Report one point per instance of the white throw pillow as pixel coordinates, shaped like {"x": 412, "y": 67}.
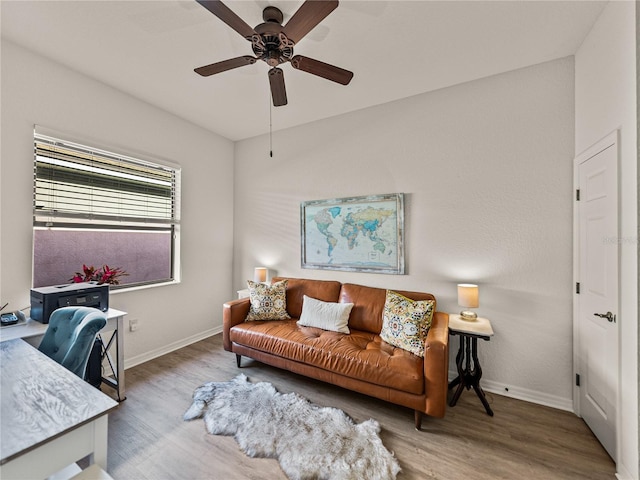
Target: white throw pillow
{"x": 325, "y": 315}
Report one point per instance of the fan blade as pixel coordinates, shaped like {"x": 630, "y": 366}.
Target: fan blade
{"x": 278, "y": 92}
{"x": 225, "y": 65}
{"x": 321, "y": 69}
{"x": 227, "y": 15}
{"x": 310, "y": 14}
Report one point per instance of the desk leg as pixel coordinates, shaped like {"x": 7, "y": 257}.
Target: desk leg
{"x": 116, "y": 383}
{"x": 120, "y": 356}
{"x": 100, "y": 436}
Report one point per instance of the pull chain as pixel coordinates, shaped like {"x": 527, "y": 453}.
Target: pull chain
{"x": 270, "y": 130}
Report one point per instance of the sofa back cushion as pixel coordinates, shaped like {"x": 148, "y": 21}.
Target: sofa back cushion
{"x": 297, "y": 288}
{"x": 368, "y": 305}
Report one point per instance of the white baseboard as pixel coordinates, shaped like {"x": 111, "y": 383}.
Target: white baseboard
{"x": 525, "y": 394}
{"x": 622, "y": 473}
{"x": 145, "y": 357}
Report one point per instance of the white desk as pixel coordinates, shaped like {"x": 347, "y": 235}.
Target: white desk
{"x": 115, "y": 324}
{"x": 49, "y": 417}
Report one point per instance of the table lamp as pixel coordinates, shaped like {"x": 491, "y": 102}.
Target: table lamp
{"x": 468, "y": 298}
{"x": 260, "y": 274}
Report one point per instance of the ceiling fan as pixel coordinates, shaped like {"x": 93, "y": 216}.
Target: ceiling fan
{"x": 273, "y": 43}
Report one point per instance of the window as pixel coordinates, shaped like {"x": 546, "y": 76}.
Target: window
{"x": 93, "y": 207}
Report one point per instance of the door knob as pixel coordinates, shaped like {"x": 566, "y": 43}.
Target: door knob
{"x": 609, "y": 316}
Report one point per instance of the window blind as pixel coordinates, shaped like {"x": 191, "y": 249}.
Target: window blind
{"x": 76, "y": 184}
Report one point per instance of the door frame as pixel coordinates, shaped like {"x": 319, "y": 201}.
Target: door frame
{"x": 612, "y": 139}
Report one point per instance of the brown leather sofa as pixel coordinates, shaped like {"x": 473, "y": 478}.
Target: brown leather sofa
{"x": 359, "y": 361}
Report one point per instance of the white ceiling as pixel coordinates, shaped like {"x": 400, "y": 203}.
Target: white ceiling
{"x": 395, "y": 49}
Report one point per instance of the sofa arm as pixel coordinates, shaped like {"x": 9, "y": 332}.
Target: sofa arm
{"x": 436, "y": 365}
{"x": 233, "y": 313}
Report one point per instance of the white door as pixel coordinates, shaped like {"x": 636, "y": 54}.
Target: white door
{"x": 597, "y": 301}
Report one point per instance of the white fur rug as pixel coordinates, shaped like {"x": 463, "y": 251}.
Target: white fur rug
{"x": 310, "y": 442}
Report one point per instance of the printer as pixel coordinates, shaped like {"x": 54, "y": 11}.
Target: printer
{"x": 45, "y": 300}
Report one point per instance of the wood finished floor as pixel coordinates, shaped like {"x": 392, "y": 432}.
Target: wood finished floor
{"x": 148, "y": 440}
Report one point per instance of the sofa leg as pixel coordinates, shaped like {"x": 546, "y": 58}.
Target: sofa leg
{"x": 417, "y": 414}
{"x": 238, "y": 358}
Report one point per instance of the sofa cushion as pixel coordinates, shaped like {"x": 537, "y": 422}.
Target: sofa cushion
{"x": 268, "y": 302}
{"x": 368, "y": 305}
{"x": 360, "y": 355}
{"x": 406, "y": 322}
{"x": 325, "y": 290}
{"x": 325, "y": 315}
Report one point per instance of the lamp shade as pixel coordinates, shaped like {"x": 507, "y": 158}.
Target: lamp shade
{"x": 468, "y": 295}
{"x": 260, "y": 274}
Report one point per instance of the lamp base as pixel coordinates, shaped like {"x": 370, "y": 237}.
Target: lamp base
{"x": 468, "y": 316}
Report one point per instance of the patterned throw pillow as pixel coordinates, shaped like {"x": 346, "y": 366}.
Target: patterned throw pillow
{"x": 268, "y": 302}
{"x": 406, "y": 322}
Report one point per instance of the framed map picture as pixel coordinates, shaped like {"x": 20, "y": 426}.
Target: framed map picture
{"x": 359, "y": 234}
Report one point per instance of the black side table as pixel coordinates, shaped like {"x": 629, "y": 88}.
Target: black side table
{"x": 469, "y": 375}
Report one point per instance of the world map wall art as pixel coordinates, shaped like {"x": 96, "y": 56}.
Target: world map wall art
{"x": 357, "y": 234}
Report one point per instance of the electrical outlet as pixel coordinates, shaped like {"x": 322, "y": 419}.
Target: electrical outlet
{"x": 133, "y": 324}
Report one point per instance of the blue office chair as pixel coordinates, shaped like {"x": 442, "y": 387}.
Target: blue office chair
{"x": 71, "y": 335}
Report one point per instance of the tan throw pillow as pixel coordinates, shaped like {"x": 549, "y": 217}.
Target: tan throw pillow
{"x": 268, "y": 302}
{"x": 325, "y": 315}
{"x": 406, "y": 322}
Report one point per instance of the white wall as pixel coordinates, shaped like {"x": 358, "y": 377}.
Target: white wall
{"x": 606, "y": 101}
{"x": 38, "y": 91}
{"x": 486, "y": 167}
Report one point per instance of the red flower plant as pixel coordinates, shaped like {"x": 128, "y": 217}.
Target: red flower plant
{"x": 101, "y": 275}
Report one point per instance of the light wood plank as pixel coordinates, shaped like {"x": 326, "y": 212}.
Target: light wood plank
{"x": 149, "y": 440}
